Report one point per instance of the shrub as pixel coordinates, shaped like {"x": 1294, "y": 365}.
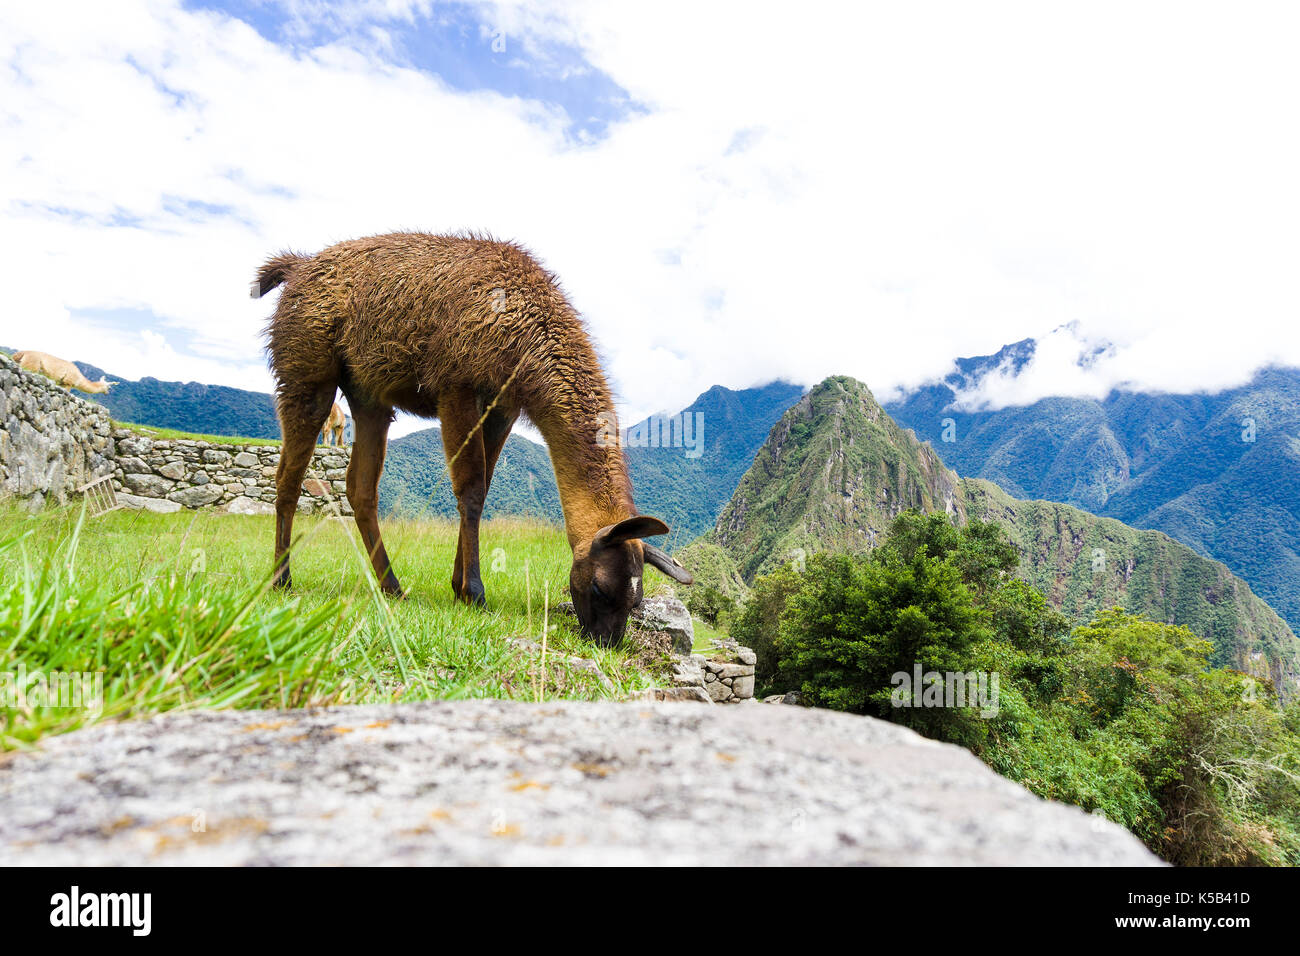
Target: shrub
{"x": 854, "y": 623}
{"x": 710, "y": 605}
{"x": 756, "y": 623}
{"x": 1121, "y": 716}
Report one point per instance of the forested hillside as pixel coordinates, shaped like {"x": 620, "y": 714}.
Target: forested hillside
{"x": 1211, "y": 471}
{"x": 688, "y": 491}
{"x": 837, "y": 470}
{"x": 685, "y": 488}
{"x": 415, "y": 481}
{"x": 187, "y": 406}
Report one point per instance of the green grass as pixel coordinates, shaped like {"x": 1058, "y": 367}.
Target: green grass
{"x": 175, "y": 612}
{"x": 705, "y": 635}
{"x": 171, "y": 434}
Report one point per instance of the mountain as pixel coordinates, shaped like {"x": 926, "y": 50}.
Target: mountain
{"x": 688, "y": 492}
{"x": 686, "y": 483}
{"x": 187, "y": 406}
{"x": 836, "y": 469}
{"x": 1215, "y": 472}
{"x": 415, "y": 481}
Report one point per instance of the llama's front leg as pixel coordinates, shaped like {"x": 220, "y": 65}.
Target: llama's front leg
{"x": 301, "y": 417}
{"x": 458, "y": 410}
{"x": 364, "y": 468}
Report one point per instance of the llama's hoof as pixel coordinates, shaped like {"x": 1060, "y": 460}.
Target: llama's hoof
{"x": 282, "y": 582}
{"x": 476, "y": 595}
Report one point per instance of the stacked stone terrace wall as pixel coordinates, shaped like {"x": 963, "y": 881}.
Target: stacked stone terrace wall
{"x": 171, "y": 474}
{"x": 53, "y": 442}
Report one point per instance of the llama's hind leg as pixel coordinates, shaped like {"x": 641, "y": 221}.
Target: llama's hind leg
{"x": 302, "y": 413}
{"x": 369, "y": 443}
{"x": 496, "y": 429}
{"x": 466, "y": 460}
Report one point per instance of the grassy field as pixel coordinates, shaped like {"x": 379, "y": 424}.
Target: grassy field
{"x": 171, "y": 434}
{"x": 174, "y": 611}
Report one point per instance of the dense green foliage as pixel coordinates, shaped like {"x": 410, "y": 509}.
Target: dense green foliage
{"x": 710, "y": 605}
{"x": 713, "y": 567}
{"x": 837, "y": 469}
{"x": 1122, "y": 715}
{"x": 1086, "y": 564}
{"x": 1212, "y": 471}
{"x": 757, "y": 622}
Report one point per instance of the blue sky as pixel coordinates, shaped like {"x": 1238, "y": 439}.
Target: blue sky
{"x": 729, "y": 193}
{"x": 461, "y": 44}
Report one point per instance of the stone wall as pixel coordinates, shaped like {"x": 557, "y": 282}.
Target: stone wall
{"x": 171, "y": 474}
{"x": 51, "y": 441}
{"x": 722, "y": 674}
{"x": 725, "y": 673}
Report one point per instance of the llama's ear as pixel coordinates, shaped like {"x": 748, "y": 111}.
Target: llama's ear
{"x": 667, "y": 564}
{"x": 640, "y": 526}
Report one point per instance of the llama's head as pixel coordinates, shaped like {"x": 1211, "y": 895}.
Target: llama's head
{"x": 102, "y": 386}
{"x": 605, "y": 581}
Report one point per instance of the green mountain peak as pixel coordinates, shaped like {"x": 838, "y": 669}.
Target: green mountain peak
{"x": 836, "y": 469}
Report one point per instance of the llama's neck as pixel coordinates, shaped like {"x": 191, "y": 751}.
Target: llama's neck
{"x": 581, "y": 433}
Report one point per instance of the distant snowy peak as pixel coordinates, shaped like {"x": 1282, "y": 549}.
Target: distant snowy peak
{"x": 1066, "y": 361}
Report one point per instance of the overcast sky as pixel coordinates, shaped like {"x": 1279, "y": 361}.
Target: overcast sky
{"x": 730, "y": 193}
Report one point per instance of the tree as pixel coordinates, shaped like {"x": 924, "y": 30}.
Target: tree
{"x": 1217, "y": 759}
{"x": 758, "y": 621}
{"x": 980, "y": 550}
{"x": 710, "y": 605}
{"x": 855, "y": 624}
{"x": 1122, "y": 716}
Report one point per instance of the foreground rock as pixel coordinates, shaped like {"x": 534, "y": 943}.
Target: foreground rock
{"x": 504, "y": 783}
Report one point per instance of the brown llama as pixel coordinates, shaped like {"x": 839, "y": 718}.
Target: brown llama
{"x": 334, "y": 425}
{"x": 474, "y": 332}
{"x": 61, "y": 371}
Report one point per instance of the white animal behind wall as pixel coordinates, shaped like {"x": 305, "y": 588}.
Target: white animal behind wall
{"x": 334, "y": 426}
{"x": 61, "y": 371}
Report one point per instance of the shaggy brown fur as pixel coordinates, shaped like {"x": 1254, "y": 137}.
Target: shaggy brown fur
{"x": 334, "y": 426}
{"x": 475, "y": 332}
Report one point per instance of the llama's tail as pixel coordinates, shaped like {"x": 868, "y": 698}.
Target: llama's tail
{"x": 275, "y": 271}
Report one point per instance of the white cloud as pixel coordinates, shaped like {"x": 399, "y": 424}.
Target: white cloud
{"x": 1067, "y": 361}
{"x": 864, "y": 189}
